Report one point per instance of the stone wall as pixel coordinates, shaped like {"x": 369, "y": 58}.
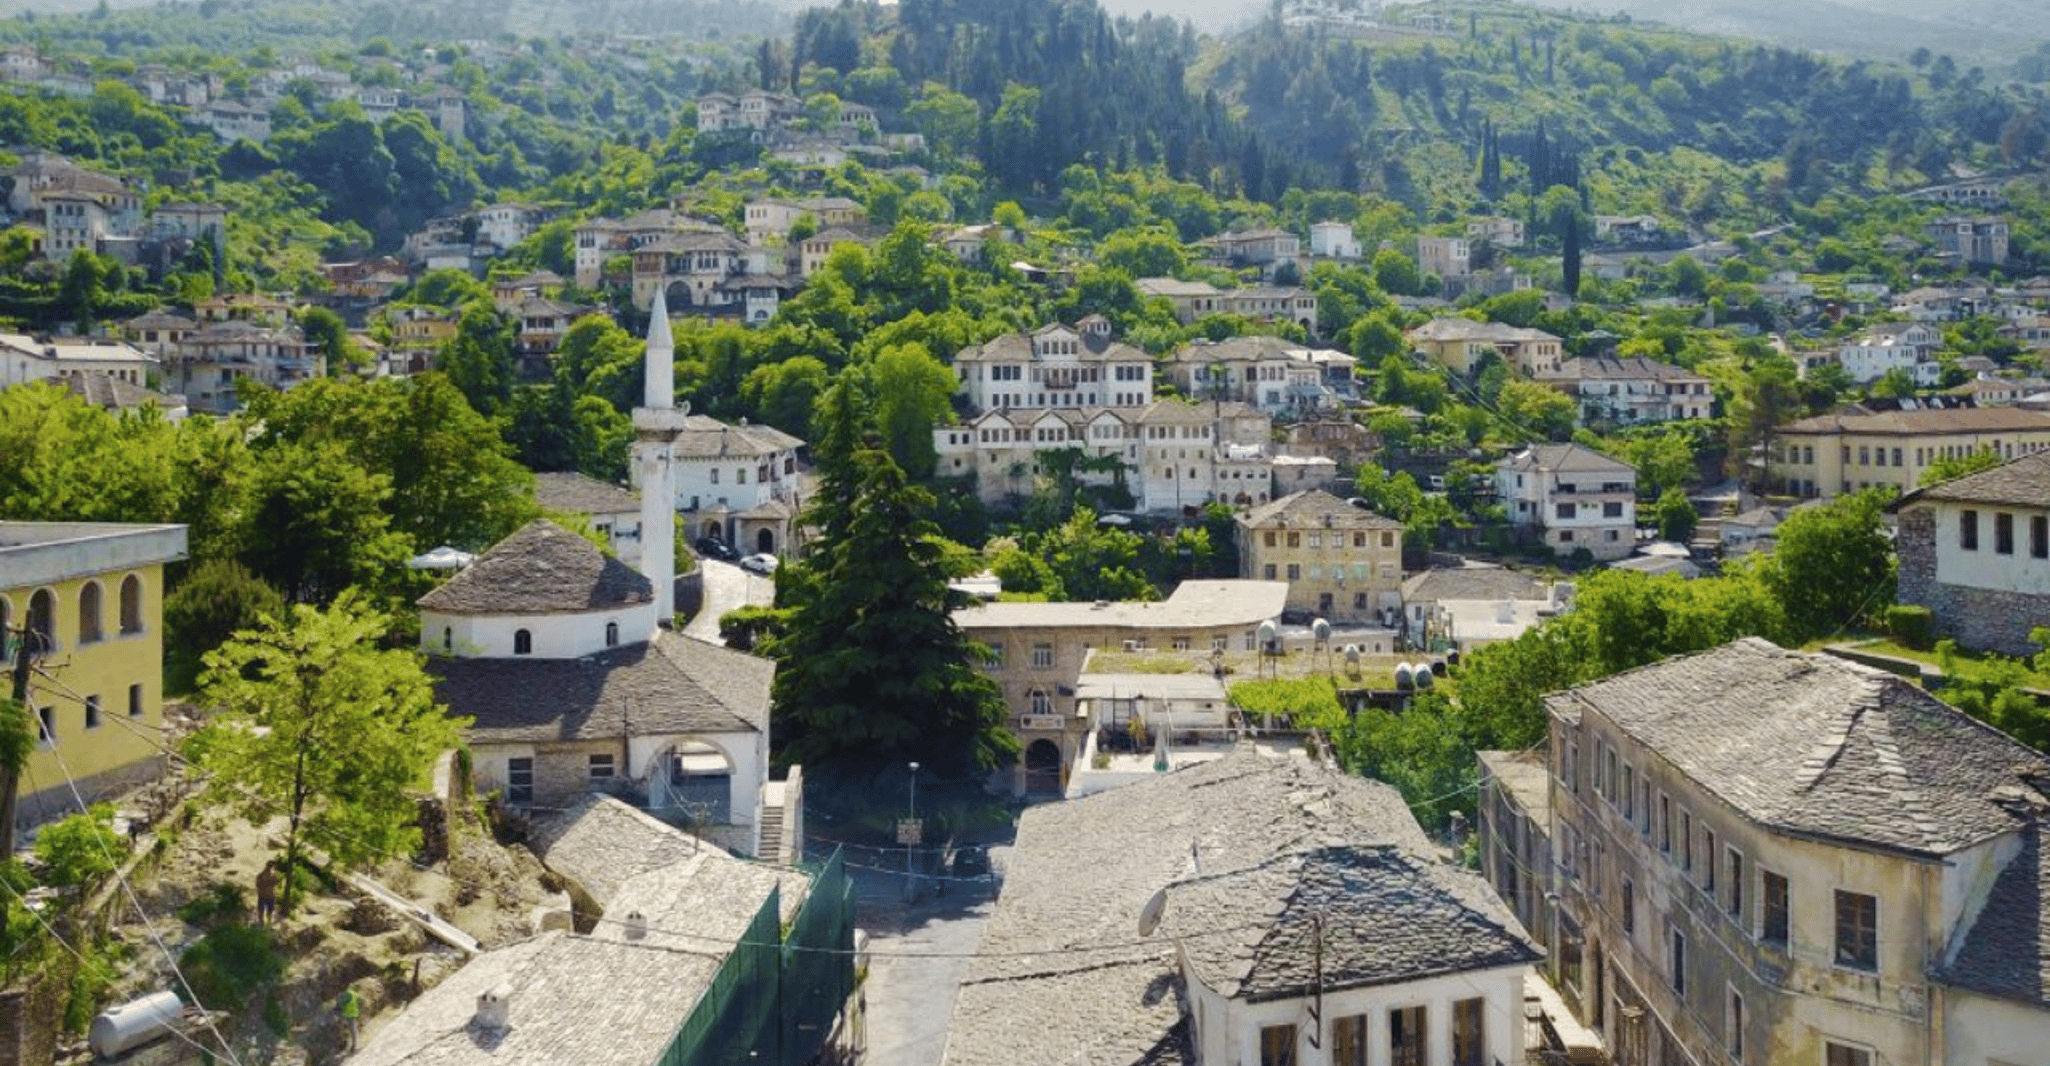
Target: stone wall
{"x": 1980, "y": 619}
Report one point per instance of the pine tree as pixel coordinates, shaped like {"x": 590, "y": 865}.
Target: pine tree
{"x": 874, "y": 671}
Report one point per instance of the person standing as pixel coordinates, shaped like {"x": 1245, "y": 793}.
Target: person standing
{"x": 352, "y": 1012}
{"x": 267, "y": 893}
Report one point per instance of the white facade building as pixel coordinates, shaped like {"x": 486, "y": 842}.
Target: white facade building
{"x": 1572, "y": 497}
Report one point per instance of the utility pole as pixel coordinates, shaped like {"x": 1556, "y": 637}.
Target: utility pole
{"x": 10, "y": 774}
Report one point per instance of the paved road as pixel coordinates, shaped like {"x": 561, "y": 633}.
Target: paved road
{"x": 919, "y": 953}
{"x": 726, "y": 587}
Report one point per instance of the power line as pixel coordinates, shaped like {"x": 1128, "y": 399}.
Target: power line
{"x": 127, "y": 889}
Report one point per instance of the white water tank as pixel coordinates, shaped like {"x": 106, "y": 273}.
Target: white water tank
{"x": 134, "y": 1023}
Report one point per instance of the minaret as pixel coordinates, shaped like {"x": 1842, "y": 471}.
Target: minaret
{"x": 656, "y": 425}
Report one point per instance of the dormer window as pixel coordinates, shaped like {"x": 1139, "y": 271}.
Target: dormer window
{"x": 523, "y": 642}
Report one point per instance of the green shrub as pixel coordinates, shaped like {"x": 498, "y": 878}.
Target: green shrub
{"x": 229, "y": 963}
{"x": 222, "y": 899}
{"x": 1912, "y": 625}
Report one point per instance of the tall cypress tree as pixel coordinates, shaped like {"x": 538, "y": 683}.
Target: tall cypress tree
{"x": 1571, "y": 256}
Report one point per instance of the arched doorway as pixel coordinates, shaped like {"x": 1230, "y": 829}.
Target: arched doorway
{"x": 765, "y": 541}
{"x": 712, "y": 530}
{"x": 1042, "y": 768}
{"x": 693, "y": 781}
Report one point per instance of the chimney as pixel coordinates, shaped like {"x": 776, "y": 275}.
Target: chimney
{"x": 636, "y": 925}
{"x": 494, "y": 1009}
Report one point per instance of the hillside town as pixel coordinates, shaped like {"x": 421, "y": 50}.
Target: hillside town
{"x": 830, "y": 547}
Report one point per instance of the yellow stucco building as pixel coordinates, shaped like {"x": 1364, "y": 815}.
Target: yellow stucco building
{"x": 89, "y": 597}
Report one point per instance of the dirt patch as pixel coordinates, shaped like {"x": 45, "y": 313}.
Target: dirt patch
{"x": 204, "y": 880}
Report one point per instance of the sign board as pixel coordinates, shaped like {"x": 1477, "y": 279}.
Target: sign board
{"x": 910, "y": 832}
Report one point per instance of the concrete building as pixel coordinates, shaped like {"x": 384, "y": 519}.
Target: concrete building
{"x": 1342, "y": 563}
{"x": 742, "y": 483}
{"x": 1909, "y": 347}
{"x": 1981, "y": 240}
{"x": 1631, "y": 391}
{"x": 1828, "y": 455}
{"x": 1424, "y": 592}
{"x": 1333, "y": 240}
{"x": 1248, "y": 910}
{"x": 1514, "y": 819}
{"x": 1277, "y": 375}
{"x": 1769, "y": 856}
{"x": 612, "y": 512}
{"x": 213, "y": 359}
{"x": 1445, "y": 257}
{"x": 1056, "y": 366}
{"x": 1571, "y": 497}
{"x": 89, "y": 599}
{"x": 24, "y": 359}
{"x": 1462, "y": 343}
{"x": 1976, "y": 551}
{"x": 1038, "y": 650}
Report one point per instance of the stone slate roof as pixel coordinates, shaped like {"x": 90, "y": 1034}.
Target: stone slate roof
{"x": 1308, "y": 510}
{"x": 576, "y": 493}
{"x": 1473, "y": 583}
{"x": 541, "y": 569}
{"x": 601, "y": 844}
{"x": 704, "y": 437}
{"x": 1814, "y": 745}
{"x": 1338, "y": 918}
{"x": 670, "y": 685}
{"x": 2007, "y": 952}
{"x": 585, "y": 1000}
{"x": 110, "y": 393}
{"x": 1565, "y": 459}
{"x": 1911, "y": 423}
{"x": 1612, "y": 368}
{"x": 2023, "y": 482}
{"x": 1064, "y": 977}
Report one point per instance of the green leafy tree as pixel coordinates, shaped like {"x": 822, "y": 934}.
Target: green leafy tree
{"x": 1533, "y": 411}
{"x": 215, "y": 600}
{"x": 314, "y": 722}
{"x": 1951, "y": 467}
{"x": 315, "y": 523}
{"x": 479, "y": 359}
{"x": 913, "y": 392}
{"x": 1676, "y": 516}
{"x": 1834, "y": 563}
{"x": 78, "y": 851}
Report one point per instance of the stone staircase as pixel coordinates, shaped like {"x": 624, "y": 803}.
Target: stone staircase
{"x": 769, "y": 846}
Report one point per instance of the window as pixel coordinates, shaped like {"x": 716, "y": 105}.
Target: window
{"x": 1629, "y": 906}
{"x": 1269, "y": 572}
{"x": 1665, "y": 823}
{"x": 1733, "y": 1024}
{"x": 1270, "y": 538}
{"x": 1857, "y": 930}
{"x": 1295, "y": 540}
{"x": 42, "y": 621}
{"x": 2039, "y": 536}
{"x": 135, "y": 700}
{"x": 996, "y": 655}
{"x": 519, "y": 780}
{"x": 2003, "y": 534}
{"x": 1469, "y": 1040}
{"x": 1968, "y": 530}
{"x": 1835, "y": 1054}
{"x": 1041, "y": 702}
{"x": 89, "y": 613}
{"x": 448, "y": 639}
{"x": 92, "y": 712}
{"x": 1708, "y": 859}
{"x": 1629, "y": 792}
{"x": 46, "y": 726}
{"x": 1772, "y": 908}
{"x": 1349, "y": 1041}
{"x": 612, "y": 634}
{"x": 1612, "y": 509}
{"x": 1564, "y": 510}
{"x": 1407, "y": 1043}
{"x": 1735, "y": 885}
{"x": 601, "y": 767}
{"x": 1686, "y": 842}
{"x": 523, "y": 642}
{"x": 1277, "y": 1045}
{"x": 1295, "y": 572}
{"x": 1042, "y": 656}
{"x": 1676, "y": 959}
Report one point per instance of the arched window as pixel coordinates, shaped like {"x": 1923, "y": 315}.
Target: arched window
{"x": 42, "y": 622}
{"x": 612, "y": 634}
{"x": 89, "y": 613}
{"x": 131, "y": 605}
{"x": 448, "y": 639}
{"x": 523, "y": 642}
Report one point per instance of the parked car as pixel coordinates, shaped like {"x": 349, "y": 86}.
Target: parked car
{"x": 759, "y": 564}
{"x": 971, "y": 860}
{"x": 714, "y": 548}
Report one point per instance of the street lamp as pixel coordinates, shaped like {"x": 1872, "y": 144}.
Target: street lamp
{"x": 910, "y": 838}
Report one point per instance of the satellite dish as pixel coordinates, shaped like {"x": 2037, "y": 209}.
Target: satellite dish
{"x": 1149, "y": 915}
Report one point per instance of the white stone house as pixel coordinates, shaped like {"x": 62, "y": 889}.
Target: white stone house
{"x": 1631, "y": 391}
{"x": 613, "y": 512}
{"x": 24, "y": 359}
{"x": 1571, "y": 497}
{"x": 739, "y": 482}
{"x": 1333, "y": 240}
{"x": 1056, "y": 366}
{"x": 1976, "y": 551}
{"x": 1910, "y": 347}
